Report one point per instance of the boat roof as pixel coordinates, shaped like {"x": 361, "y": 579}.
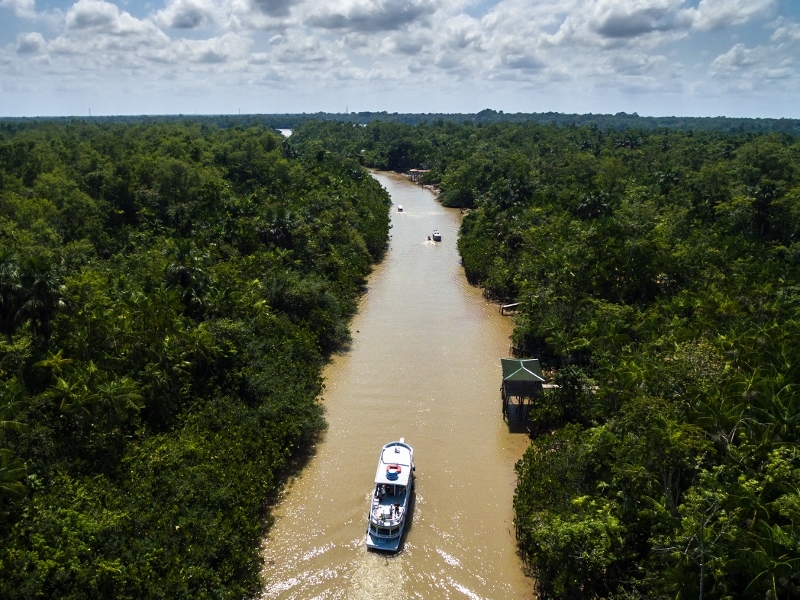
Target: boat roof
{"x": 395, "y": 453}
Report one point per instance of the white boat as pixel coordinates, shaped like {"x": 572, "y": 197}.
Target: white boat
{"x": 399, "y": 208}
{"x": 437, "y": 237}
{"x": 388, "y": 505}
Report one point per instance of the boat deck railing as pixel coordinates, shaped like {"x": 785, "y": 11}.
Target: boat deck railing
{"x": 389, "y": 510}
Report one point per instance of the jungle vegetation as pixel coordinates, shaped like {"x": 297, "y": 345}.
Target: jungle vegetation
{"x": 619, "y": 120}
{"x": 168, "y": 294}
{"x": 659, "y": 276}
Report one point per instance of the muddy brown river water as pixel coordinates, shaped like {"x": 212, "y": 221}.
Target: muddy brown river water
{"x": 423, "y": 365}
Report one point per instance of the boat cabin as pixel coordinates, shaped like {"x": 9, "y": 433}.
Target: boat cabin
{"x": 389, "y": 504}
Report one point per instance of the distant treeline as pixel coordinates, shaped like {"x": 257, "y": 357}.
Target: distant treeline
{"x": 168, "y": 294}
{"x": 289, "y": 121}
{"x": 658, "y": 273}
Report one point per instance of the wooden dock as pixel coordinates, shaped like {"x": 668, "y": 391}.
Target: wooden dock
{"x": 416, "y": 174}
{"x": 508, "y": 307}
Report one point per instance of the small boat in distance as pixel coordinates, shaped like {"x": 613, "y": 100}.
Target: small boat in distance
{"x": 437, "y": 237}
{"x": 399, "y": 208}
{"x": 388, "y": 505}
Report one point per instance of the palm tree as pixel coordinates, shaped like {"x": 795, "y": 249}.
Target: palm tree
{"x": 92, "y": 393}
{"x": 186, "y": 269}
{"x": 43, "y": 292}
{"x": 774, "y": 555}
{"x": 10, "y": 292}
{"x": 278, "y": 227}
{"x": 593, "y": 206}
{"x": 12, "y": 470}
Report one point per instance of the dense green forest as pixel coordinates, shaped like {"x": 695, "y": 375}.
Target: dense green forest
{"x": 659, "y": 276}
{"x": 289, "y": 120}
{"x": 168, "y": 294}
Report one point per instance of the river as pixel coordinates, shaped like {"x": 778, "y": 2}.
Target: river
{"x": 423, "y": 365}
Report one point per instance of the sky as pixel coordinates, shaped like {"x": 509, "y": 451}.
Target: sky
{"x": 736, "y": 58}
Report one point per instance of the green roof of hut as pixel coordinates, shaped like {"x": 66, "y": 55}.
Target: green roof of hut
{"x": 522, "y": 369}
{"x": 521, "y": 376}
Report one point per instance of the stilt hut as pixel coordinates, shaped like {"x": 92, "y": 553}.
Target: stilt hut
{"x": 416, "y": 174}
{"x": 522, "y": 382}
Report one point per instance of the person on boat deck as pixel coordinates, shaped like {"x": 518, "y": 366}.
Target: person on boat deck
{"x": 396, "y": 509}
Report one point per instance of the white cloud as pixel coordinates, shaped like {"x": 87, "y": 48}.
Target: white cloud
{"x": 399, "y": 43}
{"x": 786, "y": 32}
{"x": 525, "y": 62}
{"x": 754, "y": 67}
{"x": 632, "y": 47}
{"x": 102, "y": 31}
{"x": 21, "y": 8}
{"x": 718, "y": 14}
{"x": 30, "y": 43}
{"x": 462, "y": 32}
{"x": 304, "y": 50}
{"x": 224, "y": 49}
{"x": 97, "y": 17}
{"x": 597, "y": 24}
{"x": 632, "y": 18}
{"x": 370, "y": 16}
{"x": 244, "y": 15}
{"x": 92, "y": 14}
{"x": 186, "y": 14}
{"x": 617, "y": 23}
{"x": 641, "y": 64}
{"x": 274, "y": 8}
{"x": 738, "y": 58}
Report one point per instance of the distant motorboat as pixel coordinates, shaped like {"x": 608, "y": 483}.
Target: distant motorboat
{"x": 437, "y": 237}
{"x": 399, "y": 208}
{"x": 388, "y": 505}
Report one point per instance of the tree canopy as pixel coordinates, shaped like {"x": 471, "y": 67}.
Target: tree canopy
{"x": 168, "y": 293}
